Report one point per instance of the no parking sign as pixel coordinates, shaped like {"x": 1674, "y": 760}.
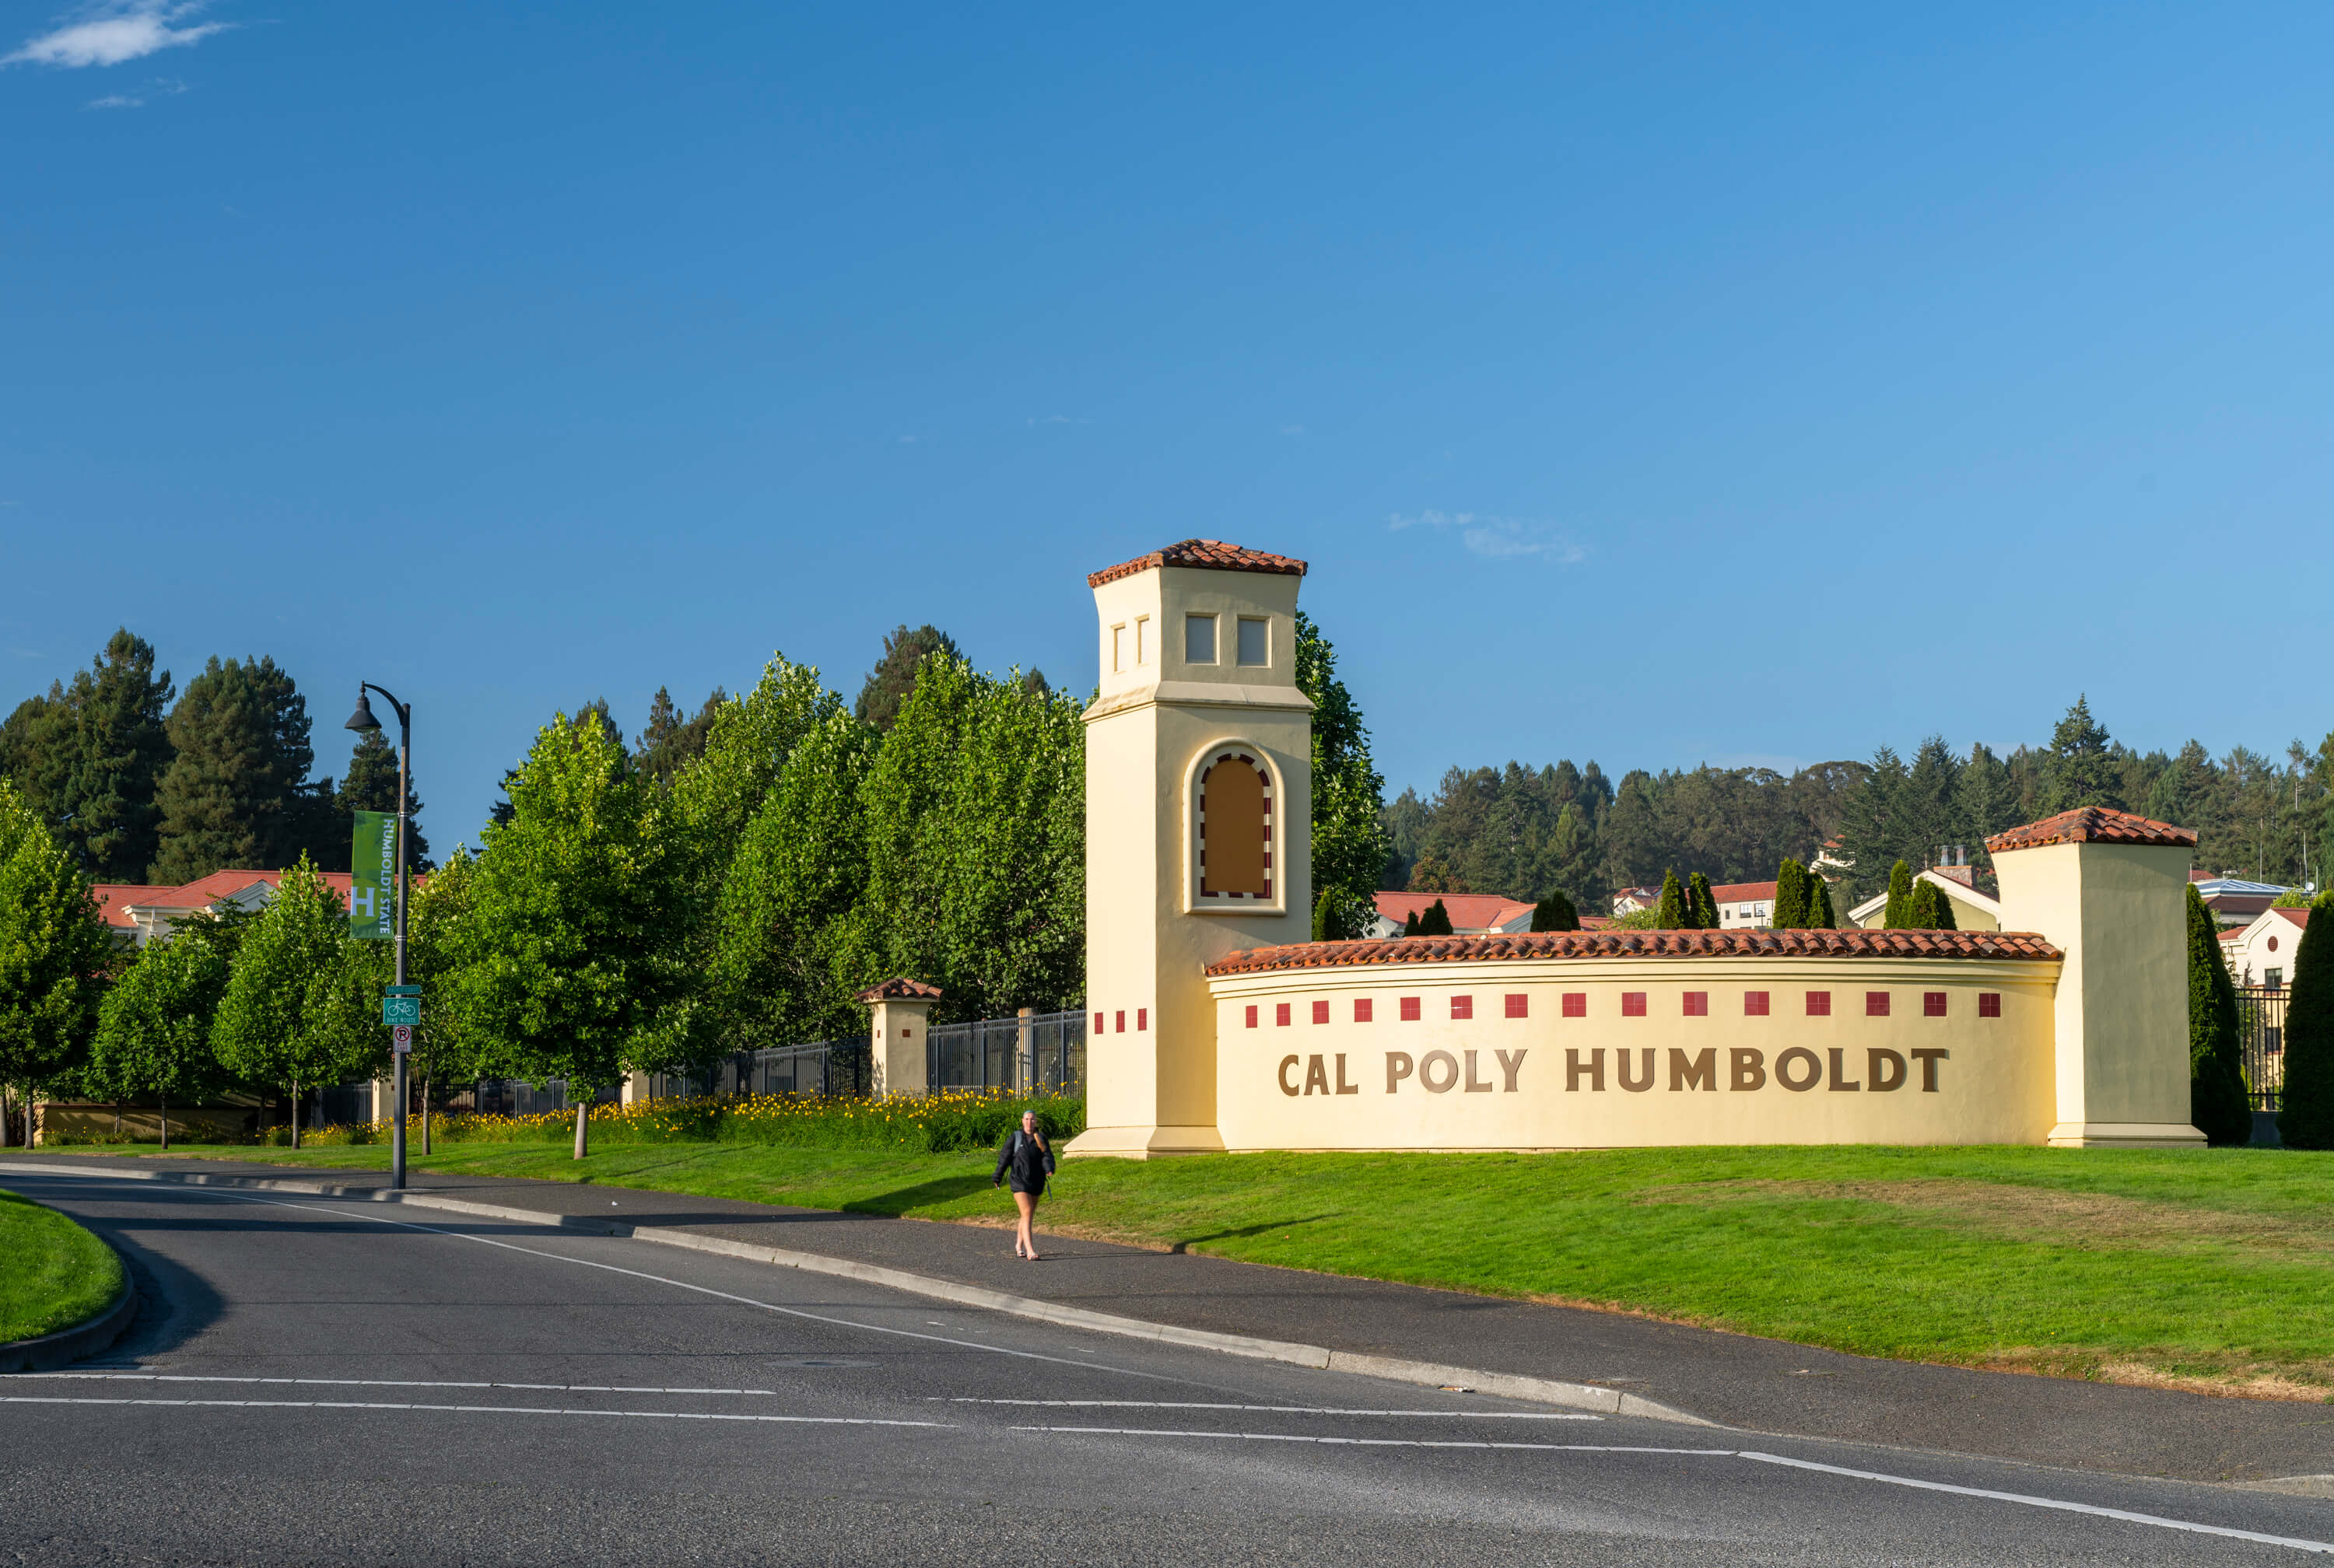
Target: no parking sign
{"x": 402, "y": 1039}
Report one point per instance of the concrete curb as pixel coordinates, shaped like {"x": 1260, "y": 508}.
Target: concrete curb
{"x": 69, "y": 1345}
{"x": 1506, "y": 1385}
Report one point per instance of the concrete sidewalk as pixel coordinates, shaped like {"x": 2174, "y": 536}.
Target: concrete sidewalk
{"x": 1762, "y": 1385}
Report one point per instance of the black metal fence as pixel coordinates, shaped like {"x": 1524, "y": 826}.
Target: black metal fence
{"x": 1035, "y": 1052}
{"x": 824, "y": 1067}
{"x": 2260, "y": 1025}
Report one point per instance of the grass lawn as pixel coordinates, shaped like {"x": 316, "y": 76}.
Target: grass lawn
{"x": 53, "y": 1273}
{"x": 2211, "y": 1270}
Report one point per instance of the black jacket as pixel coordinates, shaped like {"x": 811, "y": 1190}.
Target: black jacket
{"x": 1029, "y": 1164}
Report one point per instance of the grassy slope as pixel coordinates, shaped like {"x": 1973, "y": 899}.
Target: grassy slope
{"x": 2130, "y": 1264}
{"x": 54, "y": 1272}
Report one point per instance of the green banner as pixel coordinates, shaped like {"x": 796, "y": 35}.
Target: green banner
{"x": 373, "y": 887}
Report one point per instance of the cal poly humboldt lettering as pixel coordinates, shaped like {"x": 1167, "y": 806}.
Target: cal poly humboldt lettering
{"x": 1796, "y": 1069}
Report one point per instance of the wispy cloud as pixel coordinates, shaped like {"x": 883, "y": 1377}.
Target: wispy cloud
{"x": 113, "y": 33}
{"x": 160, "y": 87}
{"x": 115, "y": 100}
{"x": 1037, "y": 419}
{"x": 1499, "y": 538}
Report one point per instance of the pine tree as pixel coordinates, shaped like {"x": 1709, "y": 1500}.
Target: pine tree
{"x": 1410, "y": 924}
{"x": 119, "y": 752}
{"x": 2080, "y": 769}
{"x": 370, "y": 785}
{"x": 1790, "y": 895}
{"x": 1676, "y": 911}
{"x": 1705, "y": 906}
{"x": 1942, "y": 909}
{"x": 232, "y": 795}
{"x": 1436, "y": 921}
{"x": 1325, "y": 917}
{"x": 1898, "y": 915}
{"x": 1349, "y": 842}
{"x": 1819, "y": 911}
{"x": 894, "y": 675}
{"x": 1928, "y": 907}
{"x": 2217, "y": 1103}
{"x": 1555, "y": 913}
{"x": 669, "y": 743}
{"x": 2305, "y": 1119}
{"x": 37, "y": 747}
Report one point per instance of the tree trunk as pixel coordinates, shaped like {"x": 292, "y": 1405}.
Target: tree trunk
{"x": 166, "y": 1124}
{"x": 425, "y": 1114}
{"x": 581, "y": 1148}
{"x": 4, "y": 1118}
{"x": 295, "y": 1114}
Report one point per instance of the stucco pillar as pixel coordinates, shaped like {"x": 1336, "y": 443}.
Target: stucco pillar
{"x": 384, "y": 1098}
{"x": 900, "y": 1012}
{"x": 2110, "y": 889}
{"x": 635, "y": 1089}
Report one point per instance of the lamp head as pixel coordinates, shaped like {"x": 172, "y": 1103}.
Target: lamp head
{"x": 363, "y": 720}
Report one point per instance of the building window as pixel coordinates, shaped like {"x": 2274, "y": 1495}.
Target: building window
{"x": 1989, "y": 1003}
{"x": 1462, "y": 1006}
{"x": 1199, "y": 640}
{"x": 1819, "y": 1004}
{"x": 1410, "y": 1009}
{"x": 2273, "y": 978}
{"x": 1933, "y": 1003}
{"x": 1142, "y": 639}
{"x": 1633, "y": 1003}
{"x": 1281, "y": 1015}
{"x": 1255, "y": 640}
{"x": 1519, "y": 1004}
{"x": 1361, "y": 1009}
{"x": 1754, "y": 1004}
{"x": 1235, "y": 829}
{"x": 1252, "y": 1017}
{"x": 1118, "y": 647}
{"x": 1876, "y": 1004}
{"x": 1321, "y": 1011}
{"x": 1697, "y": 1004}
{"x": 1576, "y": 1004}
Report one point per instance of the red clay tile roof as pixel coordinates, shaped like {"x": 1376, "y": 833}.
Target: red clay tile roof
{"x": 114, "y": 898}
{"x": 1470, "y": 911}
{"x": 1210, "y": 554}
{"x": 111, "y": 897}
{"x": 1745, "y": 944}
{"x": 901, "y": 990}
{"x": 1741, "y": 893}
{"x": 2093, "y": 825}
{"x": 2299, "y": 917}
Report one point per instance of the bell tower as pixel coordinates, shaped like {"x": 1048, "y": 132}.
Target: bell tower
{"x": 1199, "y": 806}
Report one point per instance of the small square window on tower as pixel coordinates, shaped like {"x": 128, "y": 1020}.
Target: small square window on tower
{"x": 1098, "y": 1022}
{"x": 1576, "y": 1004}
{"x": 1361, "y": 1009}
{"x": 1120, "y": 1020}
{"x": 1462, "y": 1006}
{"x": 1876, "y": 1004}
{"x": 1933, "y": 1003}
{"x": 1754, "y": 1004}
{"x": 1252, "y": 1017}
{"x": 1321, "y": 1011}
{"x": 1255, "y": 640}
{"x": 1519, "y": 1004}
{"x": 1989, "y": 1003}
{"x": 1199, "y": 640}
{"x": 1819, "y": 1004}
{"x": 1141, "y": 1019}
{"x": 1697, "y": 1004}
{"x": 1410, "y": 1009}
{"x": 1633, "y": 1003}
{"x": 1281, "y": 1015}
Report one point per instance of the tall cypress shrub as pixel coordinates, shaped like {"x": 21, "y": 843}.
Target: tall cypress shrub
{"x": 1555, "y": 913}
{"x": 2306, "y": 1119}
{"x": 1790, "y": 896}
{"x": 2217, "y": 1106}
{"x": 1436, "y": 921}
{"x": 1705, "y": 906}
{"x": 1676, "y": 911}
{"x": 1898, "y": 915}
{"x": 1820, "y": 912}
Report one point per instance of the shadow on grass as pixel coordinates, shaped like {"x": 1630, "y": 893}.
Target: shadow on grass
{"x": 941, "y": 1190}
{"x": 1246, "y": 1230}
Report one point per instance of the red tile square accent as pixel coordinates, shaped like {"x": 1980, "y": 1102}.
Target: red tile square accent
{"x": 1120, "y": 1018}
{"x": 1519, "y": 1004}
{"x": 1576, "y": 1004}
{"x": 1697, "y": 1004}
{"x": 1754, "y": 1004}
{"x": 1098, "y": 1028}
{"x": 1252, "y": 1017}
{"x": 1141, "y": 1019}
{"x": 1410, "y": 1009}
{"x": 1462, "y": 1006}
{"x": 1633, "y": 1003}
{"x": 1361, "y": 1009}
{"x": 1876, "y": 1004}
{"x": 1933, "y": 1003}
{"x": 1281, "y": 1015}
{"x": 1321, "y": 1011}
{"x": 1819, "y": 1004}
{"x": 1989, "y": 1003}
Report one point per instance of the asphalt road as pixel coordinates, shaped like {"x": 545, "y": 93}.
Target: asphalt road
{"x": 312, "y": 1380}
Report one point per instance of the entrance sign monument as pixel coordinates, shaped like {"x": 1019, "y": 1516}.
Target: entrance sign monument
{"x": 1216, "y": 1025}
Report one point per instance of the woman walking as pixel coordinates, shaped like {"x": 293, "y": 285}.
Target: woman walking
{"x": 1026, "y": 1154}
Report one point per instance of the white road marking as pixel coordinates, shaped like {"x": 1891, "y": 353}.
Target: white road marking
{"x": 1376, "y": 1442}
{"x": 2128, "y": 1518}
{"x": 474, "y": 1410}
{"x": 375, "y": 1383}
{"x": 1270, "y": 1409}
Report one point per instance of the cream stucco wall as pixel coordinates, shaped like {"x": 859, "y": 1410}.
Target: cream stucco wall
{"x": 1515, "y": 1086}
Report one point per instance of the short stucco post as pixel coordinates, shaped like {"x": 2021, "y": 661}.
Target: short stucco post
{"x": 900, "y": 1011}
{"x": 2108, "y": 888}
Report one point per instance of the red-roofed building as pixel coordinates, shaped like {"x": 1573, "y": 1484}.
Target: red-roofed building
{"x": 139, "y": 914}
{"x": 1744, "y": 904}
{"x": 1471, "y": 914}
{"x": 2260, "y": 952}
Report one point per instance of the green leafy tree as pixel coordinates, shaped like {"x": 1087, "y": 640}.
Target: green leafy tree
{"x": 1819, "y": 911}
{"x": 1350, "y": 843}
{"x": 572, "y": 969}
{"x": 302, "y": 1005}
{"x": 1555, "y": 913}
{"x": 787, "y": 935}
{"x": 2305, "y": 1119}
{"x": 1898, "y": 914}
{"x": 154, "y": 1027}
{"x": 669, "y": 743}
{"x": 2217, "y": 1102}
{"x": 975, "y": 814}
{"x": 1675, "y": 912}
{"x": 441, "y": 924}
{"x": 233, "y": 793}
{"x": 1792, "y": 880}
{"x": 2081, "y": 769}
{"x": 1705, "y": 906}
{"x": 54, "y": 955}
{"x": 888, "y": 685}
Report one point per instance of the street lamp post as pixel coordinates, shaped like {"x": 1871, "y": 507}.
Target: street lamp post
{"x": 363, "y": 722}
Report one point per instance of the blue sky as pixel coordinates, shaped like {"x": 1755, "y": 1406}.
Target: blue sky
{"x": 1648, "y": 386}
